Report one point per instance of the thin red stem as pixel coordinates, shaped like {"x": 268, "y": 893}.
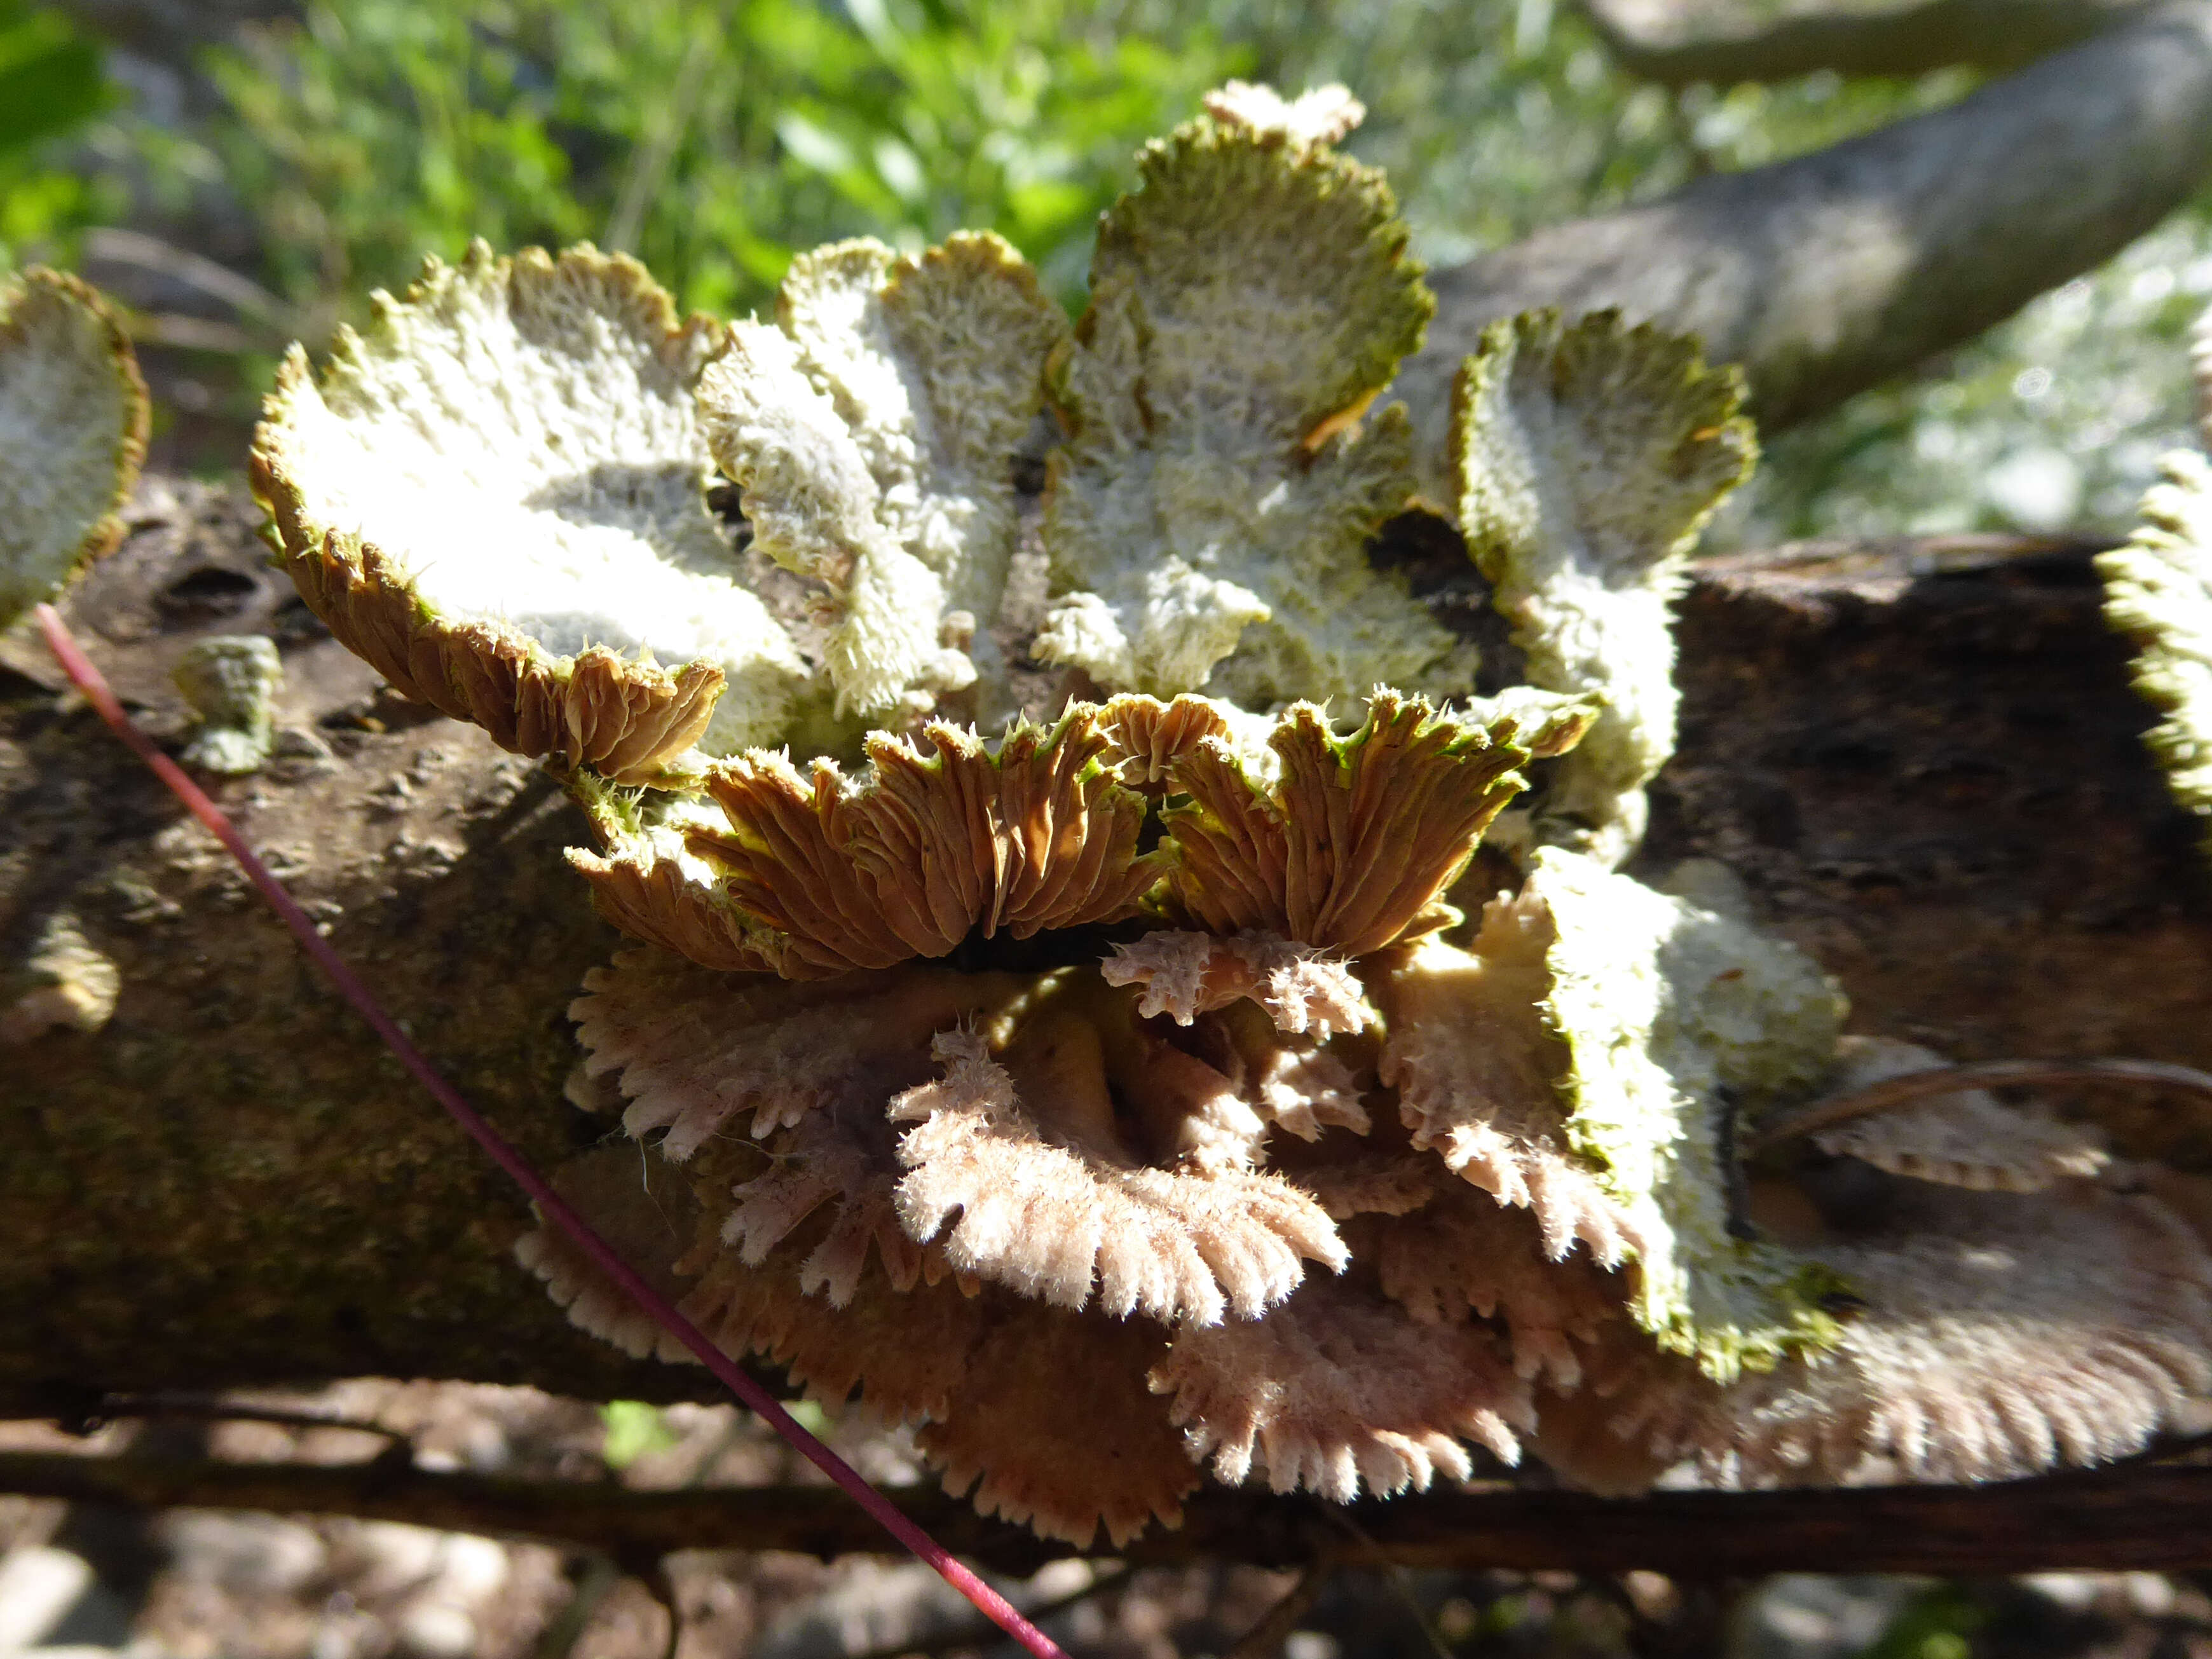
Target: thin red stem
{"x": 88, "y": 680}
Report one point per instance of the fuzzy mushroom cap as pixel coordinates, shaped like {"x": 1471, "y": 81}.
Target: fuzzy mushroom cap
{"x": 976, "y": 1112}
{"x": 921, "y": 1187}
{"x": 73, "y": 414}
{"x": 1185, "y": 974}
{"x": 1965, "y": 1140}
{"x": 1054, "y": 1428}
{"x": 1205, "y": 519}
{"x": 1041, "y": 1415}
{"x": 497, "y": 497}
{"x": 1336, "y": 1392}
{"x": 1477, "y": 1069}
{"x": 1587, "y": 457}
{"x": 1036, "y": 1188}
{"x": 1585, "y": 1060}
{"x": 647, "y": 1212}
{"x": 873, "y": 429}
{"x": 2158, "y": 590}
{"x": 1462, "y": 1253}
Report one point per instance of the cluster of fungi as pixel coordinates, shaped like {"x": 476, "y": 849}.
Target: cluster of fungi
{"x": 1251, "y": 1061}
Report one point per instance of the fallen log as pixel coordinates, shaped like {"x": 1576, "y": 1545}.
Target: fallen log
{"x": 1922, "y": 758}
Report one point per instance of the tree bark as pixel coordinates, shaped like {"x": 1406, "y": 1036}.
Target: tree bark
{"x": 1832, "y": 272}
{"x": 1923, "y": 760}
{"x": 1677, "y": 43}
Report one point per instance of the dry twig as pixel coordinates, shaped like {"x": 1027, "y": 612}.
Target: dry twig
{"x": 2149, "y": 1517}
{"x": 1913, "y": 1086}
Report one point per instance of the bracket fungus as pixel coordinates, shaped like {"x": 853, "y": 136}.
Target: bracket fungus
{"x": 73, "y": 417}
{"x": 73, "y": 423}
{"x": 496, "y": 497}
{"x": 1205, "y": 516}
{"x": 1586, "y": 458}
{"x": 870, "y": 431}
{"x": 1129, "y": 1096}
{"x": 2158, "y": 590}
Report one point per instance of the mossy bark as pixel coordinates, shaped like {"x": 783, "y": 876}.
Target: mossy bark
{"x": 1932, "y": 778}
{"x": 232, "y": 1179}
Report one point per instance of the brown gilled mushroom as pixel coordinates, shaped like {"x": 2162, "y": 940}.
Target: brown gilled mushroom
{"x": 1987, "y": 1335}
{"x": 1054, "y": 1427}
{"x": 884, "y": 1144}
{"x": 1476, "y": 1070}
{"x": 1050, "y": 1214}
{"x": 1346, "y": 848}
{"x": 1462, "y": 1253}
{"x": 1185, "y": 974}
{"x": 811, "y": 877}
{"x": 1336, "y": 1392}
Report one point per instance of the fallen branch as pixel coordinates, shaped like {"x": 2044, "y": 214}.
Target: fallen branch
{"x": 2143, "y": 1517}
{"x": 1834, "y": 272}
{"x": 1893, "y": 1093}
{"x": 1678, "y": 43}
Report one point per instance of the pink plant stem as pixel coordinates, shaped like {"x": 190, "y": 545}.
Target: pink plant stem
{"x": 88, "y": 680}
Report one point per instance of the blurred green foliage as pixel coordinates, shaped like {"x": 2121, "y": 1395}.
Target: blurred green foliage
{"x": 51, "y": 83}
{"x": 1939, "y": 1623}
{"x": 714, "y": 141}
{"x": 50, "y": 76}
{"x": 632, "y": 1429}
{"x": 1494, "y": 116}
{"x": 715, "y": 137}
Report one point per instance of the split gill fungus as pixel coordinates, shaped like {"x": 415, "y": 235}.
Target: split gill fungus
{"x": 1120, "y": 986}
